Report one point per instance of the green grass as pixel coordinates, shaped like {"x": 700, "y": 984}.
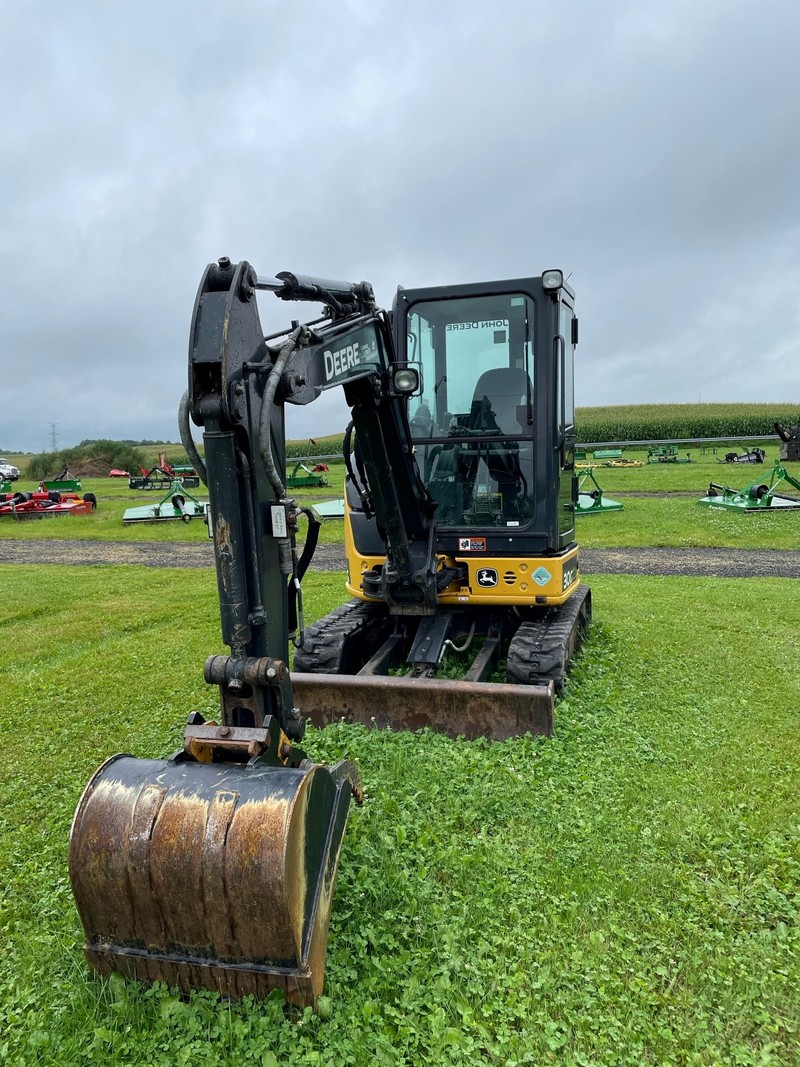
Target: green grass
{"x": 680, "y": 523}
{"x": 623, "y": 893}
{"x": 626, "y": 892}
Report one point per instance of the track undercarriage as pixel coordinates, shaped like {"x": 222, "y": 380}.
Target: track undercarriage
{"x": 361, "y": 664}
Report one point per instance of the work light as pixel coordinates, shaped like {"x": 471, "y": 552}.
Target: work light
{"x": 406, "y": 380}
{"x": 552, "y": 279}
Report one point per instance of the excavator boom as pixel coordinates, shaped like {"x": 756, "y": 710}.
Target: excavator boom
{"x": 215, "y": 868}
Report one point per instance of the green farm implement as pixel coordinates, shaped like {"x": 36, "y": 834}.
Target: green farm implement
{"x": 667, "y": 454}
{"x": 604, "y": 457}
{"x": 592, "y": 501}
{"x": 758, "y": 496}
{"x": 178, "y": 505}
{"x": 66, "y": 482}
{"x": 583, "y": 465}
{"x": 311, "y": 478}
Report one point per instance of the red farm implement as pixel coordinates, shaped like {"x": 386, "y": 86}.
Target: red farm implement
{"x": 45, "y": 504}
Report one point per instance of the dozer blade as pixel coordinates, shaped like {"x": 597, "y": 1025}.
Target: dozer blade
{"x": 496, "y": 711}
{"x": 206, "y": 875}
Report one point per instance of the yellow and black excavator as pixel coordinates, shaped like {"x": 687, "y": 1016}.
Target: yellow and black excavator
{"x": 215, "y": 868}
{"x": 491, "y": 426}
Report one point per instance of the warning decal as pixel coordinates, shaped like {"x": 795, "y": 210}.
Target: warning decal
{"x": 472, "y": 544}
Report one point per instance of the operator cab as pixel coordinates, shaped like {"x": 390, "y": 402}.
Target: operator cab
{"x": 493, "y": 424}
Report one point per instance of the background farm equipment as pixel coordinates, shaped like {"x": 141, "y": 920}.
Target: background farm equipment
{"x": 313, "y": 478}
{"x": 753, "y": 455}
{"x": 593, "y": 501}
{"x": 177, "y": 505}
{"x": 164, "y": 475}
{"x": 667, "y": 454}
{"x": 790, "y": 442}
{"x": 758, "y": 496}
{"x": 329, "y": 509}
{"x": 66, "y": 482}
{"x": 45, "y": 504}
{"x": 586, "y": 465}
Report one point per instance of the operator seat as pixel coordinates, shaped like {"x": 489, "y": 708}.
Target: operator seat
{"x": 508, "y": 389}
{"x": 500, "y": 405}
{"x": 500, "y": 396}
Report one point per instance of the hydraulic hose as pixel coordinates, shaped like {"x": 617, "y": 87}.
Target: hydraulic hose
{"x": 360, "y": 484}
{"x": 188, "y": 441}
{"x": 265, "y": 418}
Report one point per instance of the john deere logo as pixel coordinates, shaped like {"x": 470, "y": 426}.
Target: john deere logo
{"x": 487, "y": 577}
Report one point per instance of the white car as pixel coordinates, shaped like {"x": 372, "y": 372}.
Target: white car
{"x": 8, "y": 473}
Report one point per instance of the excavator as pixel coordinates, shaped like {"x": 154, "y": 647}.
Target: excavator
{"x": 493, "y": 573}
{"x": 215, "y": 867}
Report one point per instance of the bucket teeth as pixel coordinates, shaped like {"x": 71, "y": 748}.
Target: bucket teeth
{"x": 215, "y": 876}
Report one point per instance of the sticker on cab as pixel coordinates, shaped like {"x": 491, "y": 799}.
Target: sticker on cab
{"x": 472, "y": 544}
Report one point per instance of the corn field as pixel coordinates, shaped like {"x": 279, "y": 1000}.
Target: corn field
{"x": 645, "y": 422}
{"x": 636, "y": 422}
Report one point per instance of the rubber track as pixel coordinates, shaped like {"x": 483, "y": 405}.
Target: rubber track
{"x": 541, "y": 650}
{"x": 329, "y": 643}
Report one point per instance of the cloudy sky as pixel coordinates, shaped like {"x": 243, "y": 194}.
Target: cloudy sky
{"x": 651, "y": 150}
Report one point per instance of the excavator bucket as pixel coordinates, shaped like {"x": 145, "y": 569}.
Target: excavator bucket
{"x": 210, "y": 875}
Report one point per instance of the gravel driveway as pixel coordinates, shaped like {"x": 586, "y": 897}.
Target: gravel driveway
{"x": 693, "y": 562}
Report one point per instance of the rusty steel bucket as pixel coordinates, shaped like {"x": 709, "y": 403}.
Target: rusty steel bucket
{"x": 215, "y": 876}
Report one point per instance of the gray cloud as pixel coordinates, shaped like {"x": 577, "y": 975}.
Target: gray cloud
{"x": 649, "y": 149}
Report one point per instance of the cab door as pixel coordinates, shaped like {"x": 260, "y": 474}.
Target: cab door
{"x": 566, "y": 340}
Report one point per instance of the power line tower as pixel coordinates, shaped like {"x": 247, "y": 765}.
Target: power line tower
{"x": 53, "y": 435}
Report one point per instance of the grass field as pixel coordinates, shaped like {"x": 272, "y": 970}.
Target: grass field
{"x": 627, "y": 892}
{"x": 624, "y": 893}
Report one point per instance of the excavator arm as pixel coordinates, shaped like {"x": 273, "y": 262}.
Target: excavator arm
{"x": 215, "y": 868}
{"x": 238, "y": 386}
